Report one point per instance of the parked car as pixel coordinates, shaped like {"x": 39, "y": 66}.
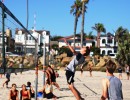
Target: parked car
{"x": 10, "y": 54}
{"x": 112, "y": 55}
{"x": 29, "y": 54}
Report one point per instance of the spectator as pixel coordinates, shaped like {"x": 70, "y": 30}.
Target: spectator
{"x": 24, "y": 93}
{"x": 30, "y": 88}
{"x": 48, "y": 91}
{"x": 13, "y": 93}
{"x": 127, "y": 70}
{"x": 112, "y": 86}
{"x": 21, "y": 66}
{"x": 90, "y": 69}
{"x": 120, "y": 72}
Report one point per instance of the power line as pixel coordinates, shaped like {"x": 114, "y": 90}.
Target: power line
{"x": 11, "y": 15}
{"x": 12, "y": 23}
{"x": 8, "y": 26}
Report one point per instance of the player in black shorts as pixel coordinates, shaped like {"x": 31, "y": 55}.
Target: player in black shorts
{"x": 51, "y": 76}
{"x": 78, "y": 59}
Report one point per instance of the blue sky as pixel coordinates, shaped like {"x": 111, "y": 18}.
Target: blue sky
{"x": 54, "y": 15}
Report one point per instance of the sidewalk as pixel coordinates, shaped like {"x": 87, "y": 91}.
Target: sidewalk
{"x": 90, "y": 87}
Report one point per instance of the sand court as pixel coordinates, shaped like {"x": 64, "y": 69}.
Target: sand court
{"x": 89, "y": 87}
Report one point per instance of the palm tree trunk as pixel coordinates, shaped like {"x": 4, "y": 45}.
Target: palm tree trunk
{"x": 75, "y": 27}
{"x": 82, "y": 27}
{"x": 98, "y": 40}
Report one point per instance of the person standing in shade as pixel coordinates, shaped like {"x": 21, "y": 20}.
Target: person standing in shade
{"x": 112, "y": 86}
{"x": 21, "y": 66}
{"x": 79, "y": 58}
{"x": 127, "y": 70}
{"x": 7, "y": 79}
{"x": 120, "y": 72}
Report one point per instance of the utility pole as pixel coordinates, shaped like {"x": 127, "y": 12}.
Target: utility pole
{"x": 44, "y": 57}
{"x": 36, "y": 68}
{"x": 3, "y": 41}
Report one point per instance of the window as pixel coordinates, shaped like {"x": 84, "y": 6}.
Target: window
{"x": 103, "y": 52}
{"x": 84, "y": 44}
{"x": 114, "y": 42}
{"x": 93, "y": 44}
{"x": 115, "y": 49}
{"x": 108, "y": 52}
{"x": 103, "y": 41}
{"x": 109, "y": 40}
{"x": 29, "y": 38}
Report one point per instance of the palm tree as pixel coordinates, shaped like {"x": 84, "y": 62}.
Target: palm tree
{"x": 84, "y": 2}
{"x": 122, "y": 37}
{"x": 76, "y": 11}
{"x": 119, "y": 33}
{"x": 99, "y": 27}
{"x": 89, "y": 35}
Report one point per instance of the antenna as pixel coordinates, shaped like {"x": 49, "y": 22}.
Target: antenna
{"x": 34, "y": 28}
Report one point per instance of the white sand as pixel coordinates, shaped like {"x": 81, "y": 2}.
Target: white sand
{"x": 90, "y": 87}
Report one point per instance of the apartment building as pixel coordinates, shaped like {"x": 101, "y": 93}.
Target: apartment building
{"x": 108, "y": 45}
{"x": 42, "y": 36}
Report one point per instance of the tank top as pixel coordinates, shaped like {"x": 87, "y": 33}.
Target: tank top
{"x": 25, "y": 93}
{"x": 13, "y": 95}
{"x": 53, "y": 76}
{"x": 115, "y": 88}
{"x": 77, "y": 60}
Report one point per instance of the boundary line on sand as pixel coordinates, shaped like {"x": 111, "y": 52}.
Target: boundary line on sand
{"x": 90, "y": 89}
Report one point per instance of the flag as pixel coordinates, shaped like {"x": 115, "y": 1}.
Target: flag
{"x": 107, "y": 45}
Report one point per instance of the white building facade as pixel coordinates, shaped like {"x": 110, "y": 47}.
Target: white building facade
{"x": 41, "y": 36}
{"x": 108, "y": 45}
{"x": 70, "y": 40}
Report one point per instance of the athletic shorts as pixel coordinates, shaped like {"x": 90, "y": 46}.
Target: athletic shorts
{"x": 69, "y": 76}
{"x": 53, "y": 79}
{"x": 49, "y": 95}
